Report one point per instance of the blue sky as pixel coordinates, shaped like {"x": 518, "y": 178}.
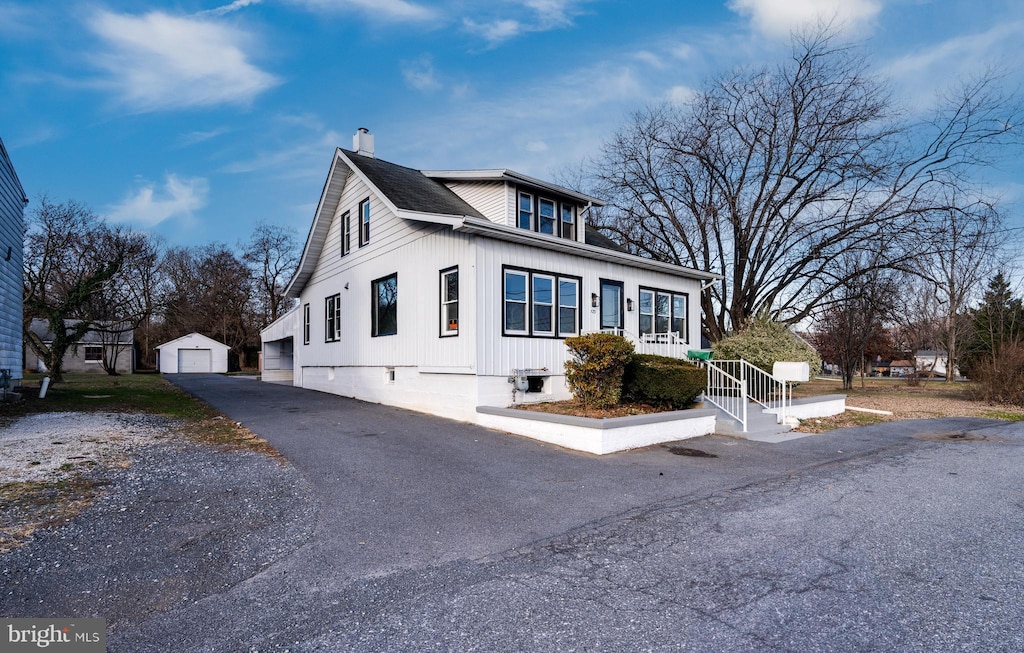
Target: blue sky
{"x": 195, "y": 119}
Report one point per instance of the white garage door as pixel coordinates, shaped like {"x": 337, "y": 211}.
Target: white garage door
{"x": 192, "y": 361}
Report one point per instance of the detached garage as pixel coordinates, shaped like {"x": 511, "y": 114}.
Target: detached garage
{"x": 193, "y": 354}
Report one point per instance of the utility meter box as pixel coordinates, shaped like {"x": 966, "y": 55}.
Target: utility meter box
{"x": 793, "y": 372}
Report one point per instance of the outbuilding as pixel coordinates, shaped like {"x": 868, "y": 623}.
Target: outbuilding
{"x": 192, "y": 354}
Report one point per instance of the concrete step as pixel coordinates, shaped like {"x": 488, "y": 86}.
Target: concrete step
{"x": 761, "y": 426}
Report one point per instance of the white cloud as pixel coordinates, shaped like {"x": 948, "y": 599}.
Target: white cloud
{"x": 541, "y": 16}
{"x": 227, "y": 9}
{"x": 149, "y": 206}
{"x": 194, "y": 137}
{"x": 780, "y": 18}
{"x": 158, "y": 61}
{"x": 537, "y": 146}
{"x": 649, "y": 58}
{"x": 395, "y": 10}
{"x": 496, "y": 31}
{"x": 420, "y": 74}
{"x": 680, "y": 95}
{"x": 304, "y": 147}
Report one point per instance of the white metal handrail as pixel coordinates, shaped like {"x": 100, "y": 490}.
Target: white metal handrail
{"x": 738, "y": 378}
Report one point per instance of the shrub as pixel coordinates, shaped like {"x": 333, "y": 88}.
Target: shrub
{"x": 1000, "y": 379}
{"x": 662, "y": 381}
{"x": 594, "y": 373}
{"x": 763, "y": 343}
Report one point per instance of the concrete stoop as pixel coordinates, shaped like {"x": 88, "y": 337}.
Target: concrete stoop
{"x": 763, "y": 426}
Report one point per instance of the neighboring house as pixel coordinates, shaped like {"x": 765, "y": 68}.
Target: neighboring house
{"x": 110, "y": 341}
{"x": 934, "y": 361}
{"x": 430, "y": 290}
{"x": 901, "y": 368}
{"x": 192, "y": 354}
{"x": 12, "y": 236}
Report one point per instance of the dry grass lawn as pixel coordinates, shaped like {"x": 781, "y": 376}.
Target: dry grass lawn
{"x": 928, "y": 400}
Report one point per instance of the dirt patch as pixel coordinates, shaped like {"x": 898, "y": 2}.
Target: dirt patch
{"x": 693, "y": 453}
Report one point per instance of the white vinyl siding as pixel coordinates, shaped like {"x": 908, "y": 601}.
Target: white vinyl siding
{"x": 12, "y": 209}
{"x": 487, "y": 197}
{"x": 498, "y": 356}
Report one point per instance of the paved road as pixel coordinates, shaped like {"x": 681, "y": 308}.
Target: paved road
{"x": 432, "y": 535}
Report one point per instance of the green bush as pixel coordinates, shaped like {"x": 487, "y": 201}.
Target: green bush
{"x": 594, "y": 373}
{"x": 764, "y": 343}
{"x": 662, "y": 381}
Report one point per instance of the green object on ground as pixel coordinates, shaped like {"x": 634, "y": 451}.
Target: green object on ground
{"x": 700, "y": 354}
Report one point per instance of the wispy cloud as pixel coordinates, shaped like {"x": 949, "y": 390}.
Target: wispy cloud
{"x": 149, "y": 205}
{"x": 531, "y": 16}
{"x": 305, "y": 145}
{"x": 390, "y": 10}
{"x": 157, "y": 61}
{"x": 780, "y": 18}
{"x": 229, "y": 8}
{"x": 420, "y": 74}
{"x": 18, "y": 20}
{"x": 192, "y": 138}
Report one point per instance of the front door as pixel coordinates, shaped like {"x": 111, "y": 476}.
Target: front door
{"x": 611, "y": 304}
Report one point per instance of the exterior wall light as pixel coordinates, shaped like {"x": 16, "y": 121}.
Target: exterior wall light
{"x": 629, "y": 305}
{"x": 593, "y": 300}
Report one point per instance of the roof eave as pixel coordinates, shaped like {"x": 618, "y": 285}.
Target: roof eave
{"x": 504, "y": 174}
{"x": 543, "y": 241}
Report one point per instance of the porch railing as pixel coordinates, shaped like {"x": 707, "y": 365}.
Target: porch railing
{"x": 734, "y": 384}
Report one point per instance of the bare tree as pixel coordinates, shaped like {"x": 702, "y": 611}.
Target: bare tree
{"x": 768, "y": 175}
{"x": 208, "y": 291}
{"x": 71, "y": 258}
{"x": 852, "y": 324}
{"x": 964, "y": 246}
{"x": 272, "y": 253}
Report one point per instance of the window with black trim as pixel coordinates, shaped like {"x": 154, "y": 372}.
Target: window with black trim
{"x": 525, "y": 219}
{"x": 450, "y": 302}
{"x": 346, "y": 233}
{"x": 385, "y": 306}
{"x": 364, "y": 222}
{"x": 568, "y": 221}
{"x": 663, "y": 312}
{"x": 93, "y": 353}
{"x": 332, "y": 318}
{"x": 540, "y": 304}
{"x": 546, "y": 216}
{"x": 305, "y": 324}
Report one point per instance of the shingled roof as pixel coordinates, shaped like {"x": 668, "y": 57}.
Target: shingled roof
{"x": 410, "y": 189}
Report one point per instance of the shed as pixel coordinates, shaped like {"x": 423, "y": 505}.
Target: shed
{"x": 191, "y": 354}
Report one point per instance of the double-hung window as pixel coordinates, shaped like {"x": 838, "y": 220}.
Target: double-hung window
{"x": 332, "y": 318}
{"x": 364, "y": 222}
{"x": 346, "y": 233}
{"x": 305, "y": 324}
{"x": 385, "y": 306}
{"x": 93, "y": 353}
{"x": 450, "y": 302}
{"x": 663, "y": 312}
{"x": 540, "y": 304}
{"x": 525, "y": 219}
{"x": 546, "y": 217}
{"x": 568, "y": 221}
{"x": 568, "y": 306}
{"x": 543, "y": 305}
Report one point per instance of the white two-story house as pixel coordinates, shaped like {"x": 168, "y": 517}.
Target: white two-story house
{"x": 429, "y": 289}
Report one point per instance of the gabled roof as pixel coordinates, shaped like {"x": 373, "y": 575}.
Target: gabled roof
{"x": 191, "y": 335}
{"x": 410, "y": 189}
{"x": 116, "y": 332}
{"x": 415, "y": 195}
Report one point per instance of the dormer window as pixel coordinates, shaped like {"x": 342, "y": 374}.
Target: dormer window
{"x": 525, "y": 211}
{"x": 568, "y": 221}
{"x": 546, "y": 215}
{"x": 546, "y": 211}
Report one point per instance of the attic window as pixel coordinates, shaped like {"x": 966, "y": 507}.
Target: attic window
{"x": 546, "y": 216}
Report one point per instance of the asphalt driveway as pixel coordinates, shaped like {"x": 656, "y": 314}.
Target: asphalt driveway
{"x": 432, "y": 535}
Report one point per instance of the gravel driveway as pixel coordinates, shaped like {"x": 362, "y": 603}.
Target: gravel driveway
{"x": 396, "y": 531}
